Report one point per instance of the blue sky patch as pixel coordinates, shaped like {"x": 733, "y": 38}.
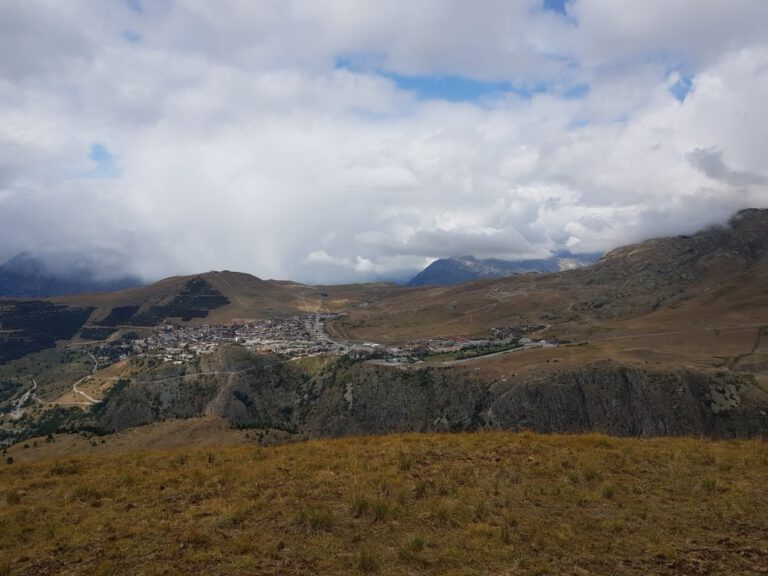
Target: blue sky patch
{"x": 555, "y": 5}
{"x": 681, "y": 88}
{"x": 104, "y": 163}
{"x": 451, "y": 88}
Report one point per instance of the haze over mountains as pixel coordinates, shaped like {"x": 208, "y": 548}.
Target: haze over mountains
{"x": 58, "y": 274}
{"x": 26, "y": 275}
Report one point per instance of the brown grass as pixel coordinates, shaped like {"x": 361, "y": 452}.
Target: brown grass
{"x": 480, "y": 503}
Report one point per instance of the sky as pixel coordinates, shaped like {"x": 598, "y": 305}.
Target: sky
{"x": 332, "y": 141}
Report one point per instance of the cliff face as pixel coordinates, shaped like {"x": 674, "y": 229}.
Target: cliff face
{"x": 359, "y": 398}
{"x": 615, "y": 399}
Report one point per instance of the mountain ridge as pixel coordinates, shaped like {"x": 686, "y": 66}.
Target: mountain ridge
{"x": 462, "y": 269}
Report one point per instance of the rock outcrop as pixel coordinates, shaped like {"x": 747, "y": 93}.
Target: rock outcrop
{"x": 352, "y": 398}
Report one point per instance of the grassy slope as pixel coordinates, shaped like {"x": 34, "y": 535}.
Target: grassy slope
{"x": 249, "y": 297}
{"x": 416, "y": 504}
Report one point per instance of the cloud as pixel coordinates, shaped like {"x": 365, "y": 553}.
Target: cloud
{"x": 331, "y": 141}
{"x": 710, "y": 162}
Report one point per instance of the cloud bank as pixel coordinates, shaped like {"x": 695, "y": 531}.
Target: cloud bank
{"x": 335, "y": 140}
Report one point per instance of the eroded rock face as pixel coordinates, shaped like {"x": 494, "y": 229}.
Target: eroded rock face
{"x": 620, "y": 400}
{"x": 349, "y": 398}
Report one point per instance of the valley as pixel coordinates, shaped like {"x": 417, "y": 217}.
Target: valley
{"x": 666, "y": 337}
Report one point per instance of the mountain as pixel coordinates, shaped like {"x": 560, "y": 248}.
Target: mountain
{"x": 458, "y": 270}
{"x": 725, "y": 267}
{"x": 668, "y": 336}
{"x": 218, "y": 297}
{"x": 30, "y": 276}
{"x": 32, "y": 325}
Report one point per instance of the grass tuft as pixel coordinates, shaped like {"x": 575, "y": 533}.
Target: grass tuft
{"x": 315, "y": 519}
{"x": 367, "y": 560}
{"x": 404, "y": 462}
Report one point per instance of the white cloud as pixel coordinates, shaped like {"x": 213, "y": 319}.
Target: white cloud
{"x": 240, "y": 145}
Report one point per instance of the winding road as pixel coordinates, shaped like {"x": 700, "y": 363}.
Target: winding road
{"x": 76, "y": 390}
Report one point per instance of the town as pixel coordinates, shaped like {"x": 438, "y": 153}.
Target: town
{"x": 304, "y": 335}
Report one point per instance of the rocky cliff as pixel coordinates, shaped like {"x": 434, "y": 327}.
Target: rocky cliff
{"x": 352, "y": 398}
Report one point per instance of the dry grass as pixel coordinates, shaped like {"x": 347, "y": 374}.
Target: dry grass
{"x": 481, "y": 503}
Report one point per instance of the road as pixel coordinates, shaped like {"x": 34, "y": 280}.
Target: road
{"x": 76, "y": 390}
{"x": 760, "y": 328}
{"x": 495, "y": 354}
{"x": 18, "y": 412}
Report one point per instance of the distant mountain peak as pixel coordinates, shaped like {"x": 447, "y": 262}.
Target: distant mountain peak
{"x": 460, "y": 269}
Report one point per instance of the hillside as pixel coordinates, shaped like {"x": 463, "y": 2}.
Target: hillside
{"x": 626, "y": 283}
{"x": 29, "y": 326}
{"x": 459, "y": 270}
{"x": 217, "y": 297}
{"x": 344, "y": 398}
{"x": 428, "y": 504}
